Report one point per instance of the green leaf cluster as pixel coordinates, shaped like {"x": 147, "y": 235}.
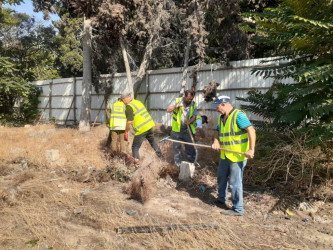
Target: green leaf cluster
{"x": 29, "y": 46}
{"x": 301, "y": 97}
{"x": 18, "y": 99}
{"x": 69, "y": 52}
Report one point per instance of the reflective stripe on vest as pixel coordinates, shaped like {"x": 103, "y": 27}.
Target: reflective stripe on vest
{"x": 142, "y": 120}
{"x": 177, "y": 116}
{"x": 232, "y": 137}
{"x": 117, "y": 116}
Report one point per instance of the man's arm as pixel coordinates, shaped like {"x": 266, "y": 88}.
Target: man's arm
{"x": 173, "y": 106}
{"x": 129, "y": 117}
{"x": 128, "y": 126}
{"x": 216, "y": 143}
{"x": 252, "y": 139}
{"x": 193, "y": 119}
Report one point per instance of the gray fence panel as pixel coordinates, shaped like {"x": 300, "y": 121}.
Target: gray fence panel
{"x": 158, "y": 89}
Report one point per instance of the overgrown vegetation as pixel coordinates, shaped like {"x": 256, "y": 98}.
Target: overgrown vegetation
{"x": 62, "y": 204}
{"x": 294, "y": 148}
{"x": 301, "y": 97}
{"x": 18, "y": 99}
{"x": 284, "y": 160}
{"x": 299, "y": 32}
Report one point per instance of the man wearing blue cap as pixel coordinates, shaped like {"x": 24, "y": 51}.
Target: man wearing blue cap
{"x": 235, "y": 132}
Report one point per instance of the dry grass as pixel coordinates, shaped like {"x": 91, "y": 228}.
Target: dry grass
{"x": 285, "y": 160}
{"x": 32, "y": 143}
{"x": 71, "y": 203}
{"x": 65, "y": 203}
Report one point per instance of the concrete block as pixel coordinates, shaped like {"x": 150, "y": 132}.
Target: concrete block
{"x": 186, "y": 171}
{"x": 52, "y": 155}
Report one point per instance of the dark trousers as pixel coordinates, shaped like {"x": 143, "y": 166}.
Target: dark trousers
{"x": 138, "y": 139}
{"x": 184, "y": 136}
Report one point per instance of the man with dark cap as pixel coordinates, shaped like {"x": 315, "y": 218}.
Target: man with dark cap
{"x": 235, "y": 132}
{"x": 184, "y": 112}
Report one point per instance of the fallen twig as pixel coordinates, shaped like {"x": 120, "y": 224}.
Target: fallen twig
{"x": 34, "y": 184}
{"x": 153, "y": 229}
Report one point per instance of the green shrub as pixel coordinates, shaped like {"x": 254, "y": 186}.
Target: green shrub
{"x": 18, "y": 99}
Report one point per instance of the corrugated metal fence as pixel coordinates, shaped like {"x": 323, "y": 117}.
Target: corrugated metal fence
{"x": 61, "y": 98}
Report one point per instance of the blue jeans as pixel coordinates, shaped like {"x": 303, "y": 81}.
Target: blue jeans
{"x": 184, "y": 136}
{"x": 234, "y": 172}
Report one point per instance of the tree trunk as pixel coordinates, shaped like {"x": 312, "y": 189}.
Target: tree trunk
{"x": 128, "y": 69}
{"x": 152, "y": 43}
{"x": 194, "y": 76}
{"x": 143, "y": 67}
{"x": 187, "y": 55}
{"x": 84, "y": 124}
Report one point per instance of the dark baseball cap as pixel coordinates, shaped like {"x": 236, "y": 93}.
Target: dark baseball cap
{"x": 204, "y": 119}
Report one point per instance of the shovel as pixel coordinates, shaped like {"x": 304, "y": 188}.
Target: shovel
{"x": 199, "y": 145}
{"x": 192, "y": 139}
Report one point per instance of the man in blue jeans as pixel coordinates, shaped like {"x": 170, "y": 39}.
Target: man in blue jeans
{"x": 184, "y": 112}
{"x": 235, "y": 132}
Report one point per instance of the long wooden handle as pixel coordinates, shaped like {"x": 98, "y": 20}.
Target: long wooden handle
{"x": 192, "y": 139}
{"x": 205, "y": 146}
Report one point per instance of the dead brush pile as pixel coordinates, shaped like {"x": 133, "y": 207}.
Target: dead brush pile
{"x": 284, "y": 160}
{"x": 143, "y": 182}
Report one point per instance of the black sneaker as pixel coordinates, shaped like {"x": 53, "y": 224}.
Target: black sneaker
{"x": 231, "y": 213}
{"x": 221, "y": 204}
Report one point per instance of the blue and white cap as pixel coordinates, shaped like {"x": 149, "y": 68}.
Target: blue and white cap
{"x": 220, "y": 99}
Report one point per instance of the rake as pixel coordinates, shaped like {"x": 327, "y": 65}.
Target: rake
{"x": 200, "y": 145}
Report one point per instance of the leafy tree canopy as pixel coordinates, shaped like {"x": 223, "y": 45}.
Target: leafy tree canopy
{"x": 301, "y": 31}
{"x": 69, "y": 53}
{"x": 29, "y": 46}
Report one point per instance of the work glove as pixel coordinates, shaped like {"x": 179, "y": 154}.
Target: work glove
{"x": 126, "y": 136}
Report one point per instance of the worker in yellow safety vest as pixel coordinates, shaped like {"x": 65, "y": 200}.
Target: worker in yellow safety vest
{"x": 184, "y": 112}
{"x": 138, "y": 117}
{"x": 234, "y": 132}
{"x": 117, "y": 126}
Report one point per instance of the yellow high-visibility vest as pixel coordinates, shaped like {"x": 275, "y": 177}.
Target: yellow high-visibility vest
{"x": 117, "y": 116}
{"x": 232, "y": 137}
{"x": 177, "y": 116}
{"x": 142, "y": 120}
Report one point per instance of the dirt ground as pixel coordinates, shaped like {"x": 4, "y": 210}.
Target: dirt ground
{"x": 61, "y": 189}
